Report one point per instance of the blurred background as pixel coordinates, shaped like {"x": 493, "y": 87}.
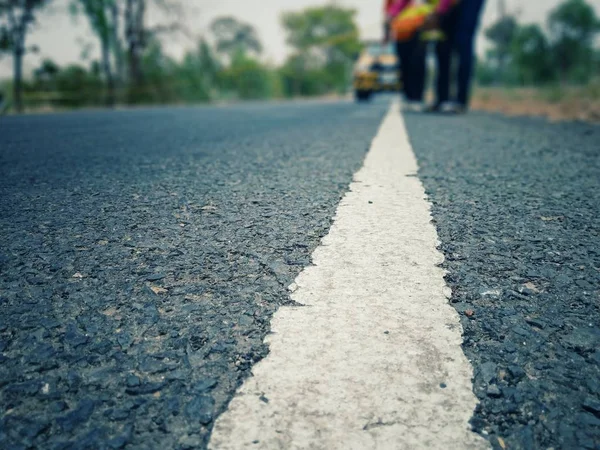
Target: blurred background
{"x": 535, "y": 57}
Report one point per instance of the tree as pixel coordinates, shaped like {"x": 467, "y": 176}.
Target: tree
{"x": 78, "y": 87}
{"x": 16, "y": 18}
{"x": 139, "y": 35}
{"x": 327, "y": 34}
{"x": 135, "y": 34}
{"x": 117, "y": 45}
{"x": 4, "y": 41}
{"x": 531, "y": 56}
{"x": 207, "y": 61}
{"x": 330, "y": 30}
{"x": 303, "y": 75}
{"x": 573, "y": 26}
{"x": 249, "y": 79}
{"x": 233, "y": 36}
{"x": 47, "y": 70}
{"x": 197, "y": 75}
{"x": 100, "y": 14}
{"x": 501, "y": 35}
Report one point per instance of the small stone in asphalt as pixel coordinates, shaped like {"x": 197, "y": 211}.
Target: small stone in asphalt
{"x": 583, "y": 339}
{"x": 592, "y": 406}
{"x": 516, "y": 372}
{"x": 493, "y": 391}
{"x": 205, "y": 385}
{"x": 133, "y": 381}
{"x": 487, "y": 371}
{"x": 78, "y": 416}
{"x": 117, "y": 414}
{"x": 536, "y": 323}
{"x": 74, "y": 338}
{"x": 155, "y": 277}
{"x": 588, "y": 419}
{"x": 200, "y": 409}
{"x": 585, "y": 441}
{"x": 148, "y": 388}
{"x": 190, "y": 441}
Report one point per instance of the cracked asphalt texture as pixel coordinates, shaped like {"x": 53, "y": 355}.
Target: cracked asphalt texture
{"x": 143, "y": 254}
{"x": 516, "y": 203}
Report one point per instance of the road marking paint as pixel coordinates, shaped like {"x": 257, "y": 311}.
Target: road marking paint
{"x": 373, "y": 360}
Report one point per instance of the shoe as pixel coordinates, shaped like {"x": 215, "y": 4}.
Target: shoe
{"x": 454, "y": 108}
{"x": 413, "y": 106}
{"x": 434, "y": 108}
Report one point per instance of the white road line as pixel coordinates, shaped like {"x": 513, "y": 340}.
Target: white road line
{"x": 363, "y": 364}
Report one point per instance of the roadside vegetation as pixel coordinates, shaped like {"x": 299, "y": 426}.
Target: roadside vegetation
{"x": 549, "y": 70}
{"x": 133, "y": 68}
{"x": 552, "y": 71}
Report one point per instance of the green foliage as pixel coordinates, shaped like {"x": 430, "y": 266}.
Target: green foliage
{"x": 197, "y": 75}
{"x": 159, "y": 84}
{"x": 531, "y": 55}
{"x": 47, "y": 71}
{"x": 71, "y": 87}
{"x": 79, "y": 87}
{"x": 574, "y": 20}
{"x": 248, "y": 78}
{"x": 525, "y": 55}
{"x": 501, "y": 34}
{"x": 5, "y": 40}
{"x": 98, "y": 14}
{"x": 573, "y": 26}
{"x": 300, "y": 78}
{"x": 16, "y": 18}
{"x": 233, "y": 36}
{"x": 330, "y": 30}
{"x": 101, "y": 20}
{"x": 14, "y": 31}
{"x": 326, "y": 41}
{"x": 485, "y": 74}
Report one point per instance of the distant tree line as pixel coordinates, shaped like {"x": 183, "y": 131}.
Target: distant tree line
{"x": 527, "y": 54}
{"x": 225, "y": 64}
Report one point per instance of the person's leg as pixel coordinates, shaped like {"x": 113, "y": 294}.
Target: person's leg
{"x": 410, "y": 65}
{"x": 464, "y": 40}
{"x": 419, "y": 68}
{"x": 444, "y": 51}
{"x": 403, "y": 52}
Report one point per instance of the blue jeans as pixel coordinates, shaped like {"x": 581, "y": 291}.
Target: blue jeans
{"x": 460, "y": 26}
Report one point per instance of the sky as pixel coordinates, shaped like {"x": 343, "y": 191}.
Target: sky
{"x": 61, "y": 38}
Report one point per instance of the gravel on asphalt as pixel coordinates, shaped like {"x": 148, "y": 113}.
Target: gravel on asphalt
{"x": 517, "y": 206}
{"x": 143, "y": 254}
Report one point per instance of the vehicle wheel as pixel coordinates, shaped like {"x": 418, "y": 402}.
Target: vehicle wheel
{"x": 362, "y": 96}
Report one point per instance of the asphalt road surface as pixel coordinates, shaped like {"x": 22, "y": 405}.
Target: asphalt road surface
{"x": 143, "y": 255}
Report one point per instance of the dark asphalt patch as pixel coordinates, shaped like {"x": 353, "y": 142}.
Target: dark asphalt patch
{"x": 143, "y": 255}
{"x": 517, "y": 206}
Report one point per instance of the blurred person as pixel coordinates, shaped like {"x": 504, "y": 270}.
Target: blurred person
{"x": 458, "y": 20}
{"x": 411, "y": 54}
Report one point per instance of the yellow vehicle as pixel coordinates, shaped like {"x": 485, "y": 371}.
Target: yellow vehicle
{"x": 376, "y": 70}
